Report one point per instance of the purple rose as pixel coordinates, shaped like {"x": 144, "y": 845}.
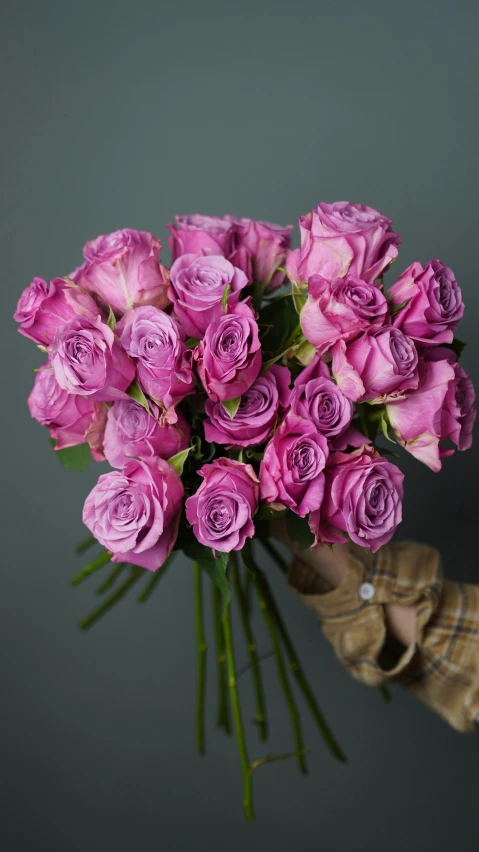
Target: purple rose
{"x": 317, "y": 398}
{"x": 66, "y": 415}
{"x": 363, "y": 498}
{"x": 124, "y": 271}
{"x": 291, "y": 473}
{"x": 342, "y": 238}
{"x": 198, "y": 234}
{"x": 132, "y": 432}
{"x": 229, "y": 356}
{"x": 197, "y": 288}
{"x": 434, "y": 303}
{"x": 156, "y": 342}
{"x": 459, "y": 412}
{"x": 221, "y": 511}
{"x": 43, "y": 307}
{"x": 340, "y": 309}
{"x": 256, "y": 416}
{"x": 378, "y": 365}
{"x": 88, "y": 359}
{"x": 135, "y": 513}
{"x": 260, "y": 247}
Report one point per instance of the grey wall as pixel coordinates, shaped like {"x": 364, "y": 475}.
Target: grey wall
{"x": 122, "y": 114}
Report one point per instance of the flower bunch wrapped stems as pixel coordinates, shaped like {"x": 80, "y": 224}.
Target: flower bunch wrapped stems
{"x": 246, "y": 382}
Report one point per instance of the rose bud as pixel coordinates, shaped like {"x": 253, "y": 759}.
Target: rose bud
{"x": 256, "y": 416}
{"x": 156, "y": 342}
{"x": 260, "y": 247}
{"x": 88, "y": 359}
{"x": 221, "y": 511}
{"x": 342, "y": 238}
{"x": 198, "y": 234}
{"x": 229, "y": 356}
{"x": 378, "y": 365}
{"x": 291, "y": 473}
{"x": 197, "y": 288}
{"x": 363, "y": 498}
{"x": 135, "y": 513}
{"x": 317, "y": 398}
{"x": 124, "y": 271}
{"x": 43, "y": 307}
{"x": 66, "y": 415}
{"x": 434, "y": 303}
{"x": 132, "y": 432}
{"x": 340, "y": 310}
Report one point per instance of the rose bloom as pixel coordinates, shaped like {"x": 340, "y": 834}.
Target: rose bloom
{"x": 257, "y": 413}
{"x": 66, "y": 415}
{"x": 132, "y": 432}
{"x": 88, "y": 359}
{"x": 291, "y": 472}
{"x": 362, "y": 498}
{"x": 222, "y": 509}
{"x": 317, "y": 398}
{"x": 43, "y": 307}
{"x": 124, "y": 271}
{"x": 378, "y": 365}
{"x": 198, "y": 234}
{"x": 342, "y": 238}
{"x": 156, "y": 342}
{"x": 135, "y": 513}
{"x": 434, "y": 303}
{"x": 197, "y": 288}
{"x": 340, "y": 309}
{"x": 229, "y": 356}
{"x": 260, "y": 247}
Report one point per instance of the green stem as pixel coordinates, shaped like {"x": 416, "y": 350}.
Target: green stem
{"x": 90, "y": 568}
{"x": 265, "y": 607}
{"x": 122, "y": 590}
{"x": 111, "y": 579}
{"x": 275, "y": 555}
{"x": 238, "y": 722}
{"x": 84, "y": 545}
{"x": 223, "y": 716}
{"x": 260, "y": 717}
{"x": 273, "y": 758}
{"x": 155, "y": 579}
{"x": 385, "y": 693}
{"x": 201, "y": 652}
{"x": 298, "y": 674}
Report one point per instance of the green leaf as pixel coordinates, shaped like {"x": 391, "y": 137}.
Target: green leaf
{"x": 396, "y": 308}
{"x": 278, "y": 323}
{"x": 384, "y": 423}
{"x": 299, "y": 298}
{"x": 457, "y": 346}
{"x": 192, "y": 342}
{"x": 74, "y": 458}
{"x": 178, "y": 461}
{"x": 136, "y": 393}
{"x": 111, "y": 318}
{"x": 231, "y": 406}
{"x": 214, "y": 566}
{"x": 225, "y": 297}
{"x": 298, "y": 530}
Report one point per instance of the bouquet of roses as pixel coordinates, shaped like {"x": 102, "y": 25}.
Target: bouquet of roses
{"x": 247, "y": 382}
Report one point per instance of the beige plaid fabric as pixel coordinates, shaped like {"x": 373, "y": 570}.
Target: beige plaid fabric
{"x": 442, "y": 667}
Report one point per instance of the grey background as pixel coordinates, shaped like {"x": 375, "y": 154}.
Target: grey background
{"x": 122, "y": 114}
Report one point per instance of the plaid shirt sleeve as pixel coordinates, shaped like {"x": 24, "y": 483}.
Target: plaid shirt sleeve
{"x": 442, "y": 666}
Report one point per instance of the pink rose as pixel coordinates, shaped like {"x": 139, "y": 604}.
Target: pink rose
{"x": 124, "y": 271}
{"x": 340, "y": 309}
{"x": 291, "y": 472}
{"x": 363, "y": 498}
{"x": 260, "y": 247}
{"x": 459, "y": 412}
{"x": 43, "y": 307}
{"x": 197, "y": 288}
{"x": 229, "y": 356}
{"x": 88, "y": 359}
{"x": 221, "y": 511}
{"x": 67, "y": 416}
{"x": 317, "y": 398}
{"x": 156, "y": 342}
{"x": 198, "y": 234}
{"x": 95, "y": 433}
{"x": 132, "y": 432}
{"x": 257, "y": 413}
{"x": 342, "y": 238}
{"x": 135, "y": 513}
{"x": 434, "y": 303}
{"x": 378, "y": 365}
